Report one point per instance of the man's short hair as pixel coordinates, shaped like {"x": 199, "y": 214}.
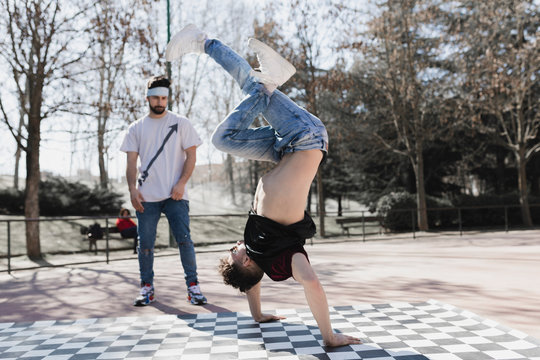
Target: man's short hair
{"x": 158, "y": 81}
{"x": 239, "y": 277}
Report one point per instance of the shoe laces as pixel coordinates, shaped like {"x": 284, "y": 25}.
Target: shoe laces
{"x": 146, "y": 289}
{"x": 263, "y": 77}
{"x": 263, "y": 69}
{"x": 194, "y": 289}
{"x": 197, "y": 44}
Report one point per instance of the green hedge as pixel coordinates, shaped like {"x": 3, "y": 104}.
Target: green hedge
{"x": 390, "y": 208}
{"x": 496, "y": 215}
{"x": 59, "y": 197}
{"x": 11, "y": 202}
{"x": 486, "y": 211}
{"x": 396, "y": 208}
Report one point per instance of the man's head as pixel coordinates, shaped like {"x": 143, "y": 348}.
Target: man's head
{"x": 157, "y": 94}
{"x": 238, "y": 270}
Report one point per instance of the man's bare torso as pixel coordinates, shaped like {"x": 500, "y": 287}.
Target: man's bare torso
{"x": 282, "y": 193}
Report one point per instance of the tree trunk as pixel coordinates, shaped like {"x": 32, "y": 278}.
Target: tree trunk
{"x": 230, "y": 176}
{"x": 522, "y": 181}
{"x": 16, "y": 170}
{"x": 18, "y": 151}
{"x": 320, "y": 194}
{"x": 103, "y": 178}
{"x": 308, "y": 207}
{"x": 420, "y": 189}
{"x": 101, "y": 125}
{"x": 253, "y": 175}
{"x": 31, "y": 201}
{"x": 421, "y": 201}
{"x": 535, "y": 182}
{"x": 499, "y": 182}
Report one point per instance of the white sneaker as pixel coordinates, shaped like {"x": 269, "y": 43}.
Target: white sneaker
{"x": 146, "y": 296}
{"x": 195, "y": 295}
{"x": 189, "y": 40}
{"x": 273, "y": 68}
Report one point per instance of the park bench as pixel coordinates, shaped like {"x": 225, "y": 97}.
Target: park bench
{"x": 358, "y": 221}
{"x": 114, "y": 234}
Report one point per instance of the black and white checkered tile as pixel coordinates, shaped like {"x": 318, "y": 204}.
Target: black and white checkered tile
{"x": 401, "y": 331}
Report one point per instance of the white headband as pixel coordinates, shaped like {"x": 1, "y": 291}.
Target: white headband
{"x": 158, "y": 91}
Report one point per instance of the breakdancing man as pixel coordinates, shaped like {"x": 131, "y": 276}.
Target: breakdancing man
{"x": 297, "y": 141}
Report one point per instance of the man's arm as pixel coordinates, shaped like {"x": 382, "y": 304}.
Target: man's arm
{"x": 316, "y": 298}
{"x": 131, "y": 176}
{"x": 254, "y": 301}
{"x": 189, "y": 165}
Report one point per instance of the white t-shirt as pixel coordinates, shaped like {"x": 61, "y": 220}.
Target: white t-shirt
{"x": 161, "y": 145}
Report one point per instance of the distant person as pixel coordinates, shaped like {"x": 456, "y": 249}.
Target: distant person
{"x": 166, "y": 145}
{"x": 127, "y": 227}
{"x": 297, "y": 141}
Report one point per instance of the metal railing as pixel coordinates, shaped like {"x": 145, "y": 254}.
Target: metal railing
{"x": 221, "y": 229}
{"x": 510, "y": 216}
{"x": 225, "y": 228}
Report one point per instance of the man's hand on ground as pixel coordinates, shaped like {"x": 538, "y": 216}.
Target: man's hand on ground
{"x": 269, "y": 317}
{"x": 341, "y": 339}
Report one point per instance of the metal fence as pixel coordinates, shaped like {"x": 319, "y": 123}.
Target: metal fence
{"x": 62, "y": 235}
{"x": 460, "y": 219}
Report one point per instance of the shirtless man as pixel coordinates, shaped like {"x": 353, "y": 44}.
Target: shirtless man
{"x": 297, "y": 141}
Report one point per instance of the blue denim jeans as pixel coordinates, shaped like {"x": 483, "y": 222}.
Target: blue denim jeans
{"x": 177, "y": 213}
{"x": 291, "y": 128}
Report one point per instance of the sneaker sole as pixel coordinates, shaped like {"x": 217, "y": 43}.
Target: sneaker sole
{"x": 173, "y": 51}
{"x": 196, "y": 302}
{"x": 142, "y": 303}
{"x": 287, "y": 67}
{"x": 263, "y": 78}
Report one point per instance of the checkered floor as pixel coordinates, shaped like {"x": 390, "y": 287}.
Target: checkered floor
{"x": 401, "y": 331}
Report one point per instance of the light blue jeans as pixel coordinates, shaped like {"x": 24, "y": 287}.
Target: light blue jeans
{"x": 291, "y": 128}
{"x": 177, "y": 213}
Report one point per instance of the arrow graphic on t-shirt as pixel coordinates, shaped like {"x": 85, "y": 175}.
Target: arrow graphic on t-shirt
{"x": 144, "y": 174}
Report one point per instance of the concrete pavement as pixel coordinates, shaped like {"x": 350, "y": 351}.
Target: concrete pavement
{"x": 496, "y": 275}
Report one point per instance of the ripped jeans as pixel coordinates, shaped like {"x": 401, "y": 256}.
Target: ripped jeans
{"x": 291, "y": 128}
{"x": 177, "y": 213}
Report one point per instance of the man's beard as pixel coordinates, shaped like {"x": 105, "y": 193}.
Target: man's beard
{"x": 158, "y": 110}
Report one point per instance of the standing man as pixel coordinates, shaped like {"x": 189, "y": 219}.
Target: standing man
{"x": 166, "y": 144}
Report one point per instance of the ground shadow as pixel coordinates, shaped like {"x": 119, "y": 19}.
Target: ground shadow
{"x": 170, "y": 310}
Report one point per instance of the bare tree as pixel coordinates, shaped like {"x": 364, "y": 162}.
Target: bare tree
{"x": 20, "y": 124}
{"x": 188, "y": 72}
{"x": 312, "y": 30}
{"x": 498, "y": 50}
{"x": 121, "y": 56}
{"x": 40, "y": 36}
{"x": 402, "y": 72}
{"x": 16, "y": 130}
{"x": 202, "y": 91}
{"x": 114, "y": 26}
{"x": 310, "y": 36}
{"x": 228, "y": 94}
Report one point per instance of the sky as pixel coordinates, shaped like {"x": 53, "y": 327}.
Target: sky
{"x": 59, "y": 156}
